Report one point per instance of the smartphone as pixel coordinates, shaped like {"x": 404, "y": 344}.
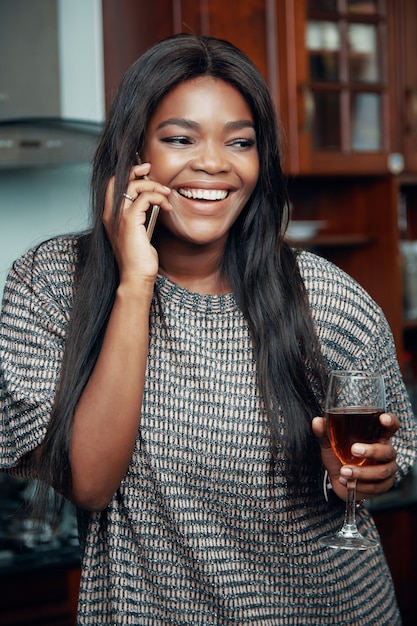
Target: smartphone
{"x": 152, "y": 214}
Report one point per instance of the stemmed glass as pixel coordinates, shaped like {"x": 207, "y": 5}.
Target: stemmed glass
{"x": 354, "y": 402}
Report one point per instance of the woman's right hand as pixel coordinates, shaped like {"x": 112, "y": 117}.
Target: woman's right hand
{"x": 136, "y": 258}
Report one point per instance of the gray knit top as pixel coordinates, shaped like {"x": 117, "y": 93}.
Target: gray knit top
{"x": 198, "y": 531}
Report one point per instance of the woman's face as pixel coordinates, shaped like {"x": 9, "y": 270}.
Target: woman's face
{"x": 201, "y": 143}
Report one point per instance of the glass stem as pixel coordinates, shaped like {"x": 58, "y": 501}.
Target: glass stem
{"x": 349, "y": 525}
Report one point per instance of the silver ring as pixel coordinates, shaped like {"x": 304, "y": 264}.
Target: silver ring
{"x": 125, "y": 195}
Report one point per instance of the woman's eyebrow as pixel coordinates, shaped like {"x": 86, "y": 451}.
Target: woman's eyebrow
{"x": 178, "y": 121}
{"x": 238, "y": 124}
{"x": 187, "y": 123}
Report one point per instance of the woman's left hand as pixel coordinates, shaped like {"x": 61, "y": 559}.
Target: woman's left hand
{"x": 373, "y": 478}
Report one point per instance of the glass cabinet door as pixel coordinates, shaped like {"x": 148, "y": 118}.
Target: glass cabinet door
{"x": 346, "y": 79}
{"x": 345, "y": 87}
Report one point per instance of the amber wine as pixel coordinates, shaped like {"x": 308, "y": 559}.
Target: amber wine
{"x": 346, "y": 426}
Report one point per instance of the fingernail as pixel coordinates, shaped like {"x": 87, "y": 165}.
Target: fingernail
{"x": 166, "y": 188}
{"x": 358, "y": 450}
{"x": 347, "y": 472}
{"x": 386, "y": 419}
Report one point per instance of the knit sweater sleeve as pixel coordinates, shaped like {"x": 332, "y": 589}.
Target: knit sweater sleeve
{"x": 354, "y": 334}
{"x": 35, "y": 312}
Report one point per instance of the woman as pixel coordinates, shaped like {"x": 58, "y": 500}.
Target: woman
{"x": 169, "y": 389}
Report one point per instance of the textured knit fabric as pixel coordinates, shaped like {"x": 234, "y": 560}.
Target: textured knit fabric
{"x": 198, "y": 531}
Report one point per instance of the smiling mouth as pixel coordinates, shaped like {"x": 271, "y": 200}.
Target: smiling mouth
{"x": 204, "y": 194}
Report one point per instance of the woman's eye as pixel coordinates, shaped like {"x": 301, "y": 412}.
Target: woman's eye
{"x": 179, "y": 140}
{"x": 242, "y": 143}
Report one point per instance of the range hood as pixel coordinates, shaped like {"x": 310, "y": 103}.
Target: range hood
{"x": 51, "y": 81}
{"x": 47, "y": 141}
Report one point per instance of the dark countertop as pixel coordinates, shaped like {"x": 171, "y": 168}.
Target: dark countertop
{"x": 53, "y": 556}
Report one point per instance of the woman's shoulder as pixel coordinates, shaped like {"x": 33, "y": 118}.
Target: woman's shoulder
{"x": 52, "y": 257}
{"x": 335, "y": 294}
{"x": 57, "y": 250}
{"x": 313, "y": 266}
{"x": 48, "y": 268}
{"x": 321, "y": 274}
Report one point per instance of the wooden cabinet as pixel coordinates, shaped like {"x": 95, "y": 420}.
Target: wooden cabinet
{"x": 355, "y": 87}
{"x": 356, "y": 82}
{"x": 408, "y": 248}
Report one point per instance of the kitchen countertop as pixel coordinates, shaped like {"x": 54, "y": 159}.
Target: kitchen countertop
{"x": 53, "y": 556}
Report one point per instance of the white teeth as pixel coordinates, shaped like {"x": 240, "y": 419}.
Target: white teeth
{"x": 203, "y": 194}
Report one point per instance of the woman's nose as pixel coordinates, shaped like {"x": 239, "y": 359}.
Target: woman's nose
{"x": 211, "y": 158}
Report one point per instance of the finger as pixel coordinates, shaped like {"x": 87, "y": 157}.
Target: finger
{"x": 320, "y": 430}
{"x": 371, "y": 480}
{"x": 128, "y": 197}
{"x": 382, "y": 452}
{"x": 370, "y": 473}
{"x": 390, "y": 423}
{"x": 140, "y": 170}
{"x": 141, "y": 189}
{"x": 329, "y": 459}
{"x": 319, "y": 427}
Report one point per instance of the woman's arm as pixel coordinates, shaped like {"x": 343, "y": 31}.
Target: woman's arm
{"x": 107, "y": 416}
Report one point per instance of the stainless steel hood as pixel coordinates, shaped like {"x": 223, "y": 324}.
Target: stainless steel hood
{"x": 50, "y": 89}
{"x": 43, "y": 141}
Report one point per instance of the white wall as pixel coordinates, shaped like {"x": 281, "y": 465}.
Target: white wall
{"x": 38, "y": 203}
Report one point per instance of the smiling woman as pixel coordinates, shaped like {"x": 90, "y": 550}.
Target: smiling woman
{"x": 173, "y": 388}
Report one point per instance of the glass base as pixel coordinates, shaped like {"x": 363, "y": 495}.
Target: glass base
{"x": 351, "y": 540}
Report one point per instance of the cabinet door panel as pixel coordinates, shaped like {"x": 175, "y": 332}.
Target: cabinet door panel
{"x": 343, "y": 86}
{"x": 242, "y": 23}
{"x": 129, "y": 27}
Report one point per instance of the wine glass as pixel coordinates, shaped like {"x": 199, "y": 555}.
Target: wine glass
{"x": 354, "y": 402}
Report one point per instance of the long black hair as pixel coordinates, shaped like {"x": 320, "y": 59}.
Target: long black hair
{"x": 258, "y": 263}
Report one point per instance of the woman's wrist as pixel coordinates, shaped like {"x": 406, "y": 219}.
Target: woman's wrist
{"x": 140, "y": 291}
